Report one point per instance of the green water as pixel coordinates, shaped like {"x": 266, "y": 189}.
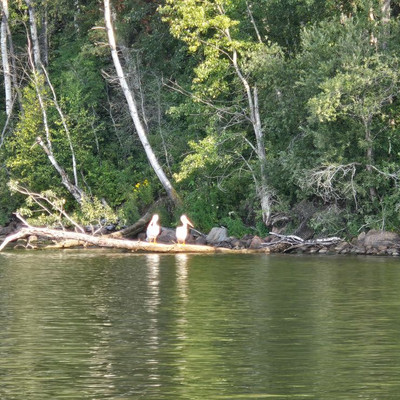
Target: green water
{"x": 104, "y": 325}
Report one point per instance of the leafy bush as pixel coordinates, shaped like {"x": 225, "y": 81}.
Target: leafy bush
{"x": 235, "y": 225}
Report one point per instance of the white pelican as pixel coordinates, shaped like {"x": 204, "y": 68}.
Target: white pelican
{"x": 153, "y": 229}
{"x": 182, "y": 231}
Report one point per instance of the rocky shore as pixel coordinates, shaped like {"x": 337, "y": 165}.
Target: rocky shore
{"x": 373, "y": 242}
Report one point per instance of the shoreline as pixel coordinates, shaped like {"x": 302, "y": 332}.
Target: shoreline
{"x": 373, "y": 242}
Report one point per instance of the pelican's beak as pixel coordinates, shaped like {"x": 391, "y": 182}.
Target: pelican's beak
{"x": 189, "y": 223}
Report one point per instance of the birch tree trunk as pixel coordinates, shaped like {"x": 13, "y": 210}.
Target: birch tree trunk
{"x": 78, "y": 194}
{"x": 133, "y": 109}
{"x": 34, "y": 35}
{"x": 38, "y": 69}
{"x": 369, "y": 153}
{"x": 385, "y": 10}
{"x": 44, "y": 37}
{"x": 5, "y": 57}
{"x": 263, "y": 191}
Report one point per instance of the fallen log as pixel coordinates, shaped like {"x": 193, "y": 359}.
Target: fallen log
{"x": 134, "y": 229}
{"x": 82, "y": 239}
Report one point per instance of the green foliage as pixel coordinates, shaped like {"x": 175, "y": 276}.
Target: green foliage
{"x": 204, "y": 156}
{"x": 95, "y": 213}
{"x": 47, "y": 208}
{"x": 24, "y": 159}
{"x": 327, "y": 79}
{"x": 360, "y": 91}
{"x": 137, "y": 201}
{"x": 235, "y": 226}
{"x": 8, "y": 203}
{"x": 328, "y": 222}
{"x": 43, "y": 209}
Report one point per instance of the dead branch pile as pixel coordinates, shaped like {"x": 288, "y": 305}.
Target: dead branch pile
{"x": 296, "y": 242}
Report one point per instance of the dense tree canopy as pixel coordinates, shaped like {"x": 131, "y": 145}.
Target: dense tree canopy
{"x": 258, "y": 112}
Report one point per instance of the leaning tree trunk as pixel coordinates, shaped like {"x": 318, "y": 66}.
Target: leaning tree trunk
{"x": 5, "y": 57}
{"x": 172, "y": 194}
{"x": 78, "y": 194}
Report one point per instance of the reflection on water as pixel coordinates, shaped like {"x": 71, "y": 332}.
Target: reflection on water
{"x": 181, "y": 261}
{"x": 103, "y": 325}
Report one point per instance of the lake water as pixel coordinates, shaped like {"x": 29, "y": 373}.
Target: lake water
{"x": 106, "y": 325}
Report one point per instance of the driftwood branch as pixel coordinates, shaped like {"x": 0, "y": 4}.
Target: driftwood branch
{"x": 292, "y": 242}
{"x": 109, "y": 242}
{"x": 296, "y": 240}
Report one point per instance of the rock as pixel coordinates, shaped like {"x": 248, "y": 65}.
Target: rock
{"x": 217, "y": 235}
{"x": 9, "y": 229}
{"x": 341, "y": 247}
{"x": 359, "y": 250}
{"x": 167, "y": 235}
{"x": 381, "y": 238}
{"x": 236, "y": 243}
{"x": 256, "y": 243}
{"x": 32, "y": 238}
{"x": 225, "y": 243}
{"x": 371, "y": 251}
{"x": 201, "y": 240}
{"x": 269, "y": 238}
{"x": 243, "y": 244}
{"x": 141, "y": 236}
{"x": 279, "y": 247}
{"x": 361, "y": 238}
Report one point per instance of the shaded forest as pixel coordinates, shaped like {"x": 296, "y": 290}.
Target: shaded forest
{"x": 254, "y": 115}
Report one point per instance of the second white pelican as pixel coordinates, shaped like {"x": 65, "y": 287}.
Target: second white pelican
{"x": 182, "y": 231}
{"x": 153, "y": 229}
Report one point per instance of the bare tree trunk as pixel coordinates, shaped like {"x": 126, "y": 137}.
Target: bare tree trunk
{"x": 64, "y": 122}
{"x": 172, "y": 194}
{"x": 76, "y": 192}
{"x": 45, "y": 38}
{"x": 77, "y": 13}
{"x": 370, "y": 158}
{"x": 34, "y": 35}
{"x": 5, "y": 57}
{"x": 11, "y": 53}
{"x": 385, "y": 10}
{"x": 253, "y": 22}
{"x": 263, "y": 190}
